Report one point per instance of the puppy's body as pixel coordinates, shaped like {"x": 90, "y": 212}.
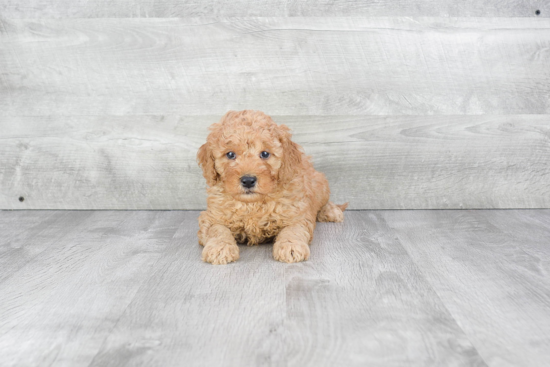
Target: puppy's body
{"x": 286, "y": 199}
{"x": 260, "y": 221}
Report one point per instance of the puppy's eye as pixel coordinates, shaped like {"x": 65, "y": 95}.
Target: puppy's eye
{"x": 264, "y": 155}
{"x": 231, "y": 155}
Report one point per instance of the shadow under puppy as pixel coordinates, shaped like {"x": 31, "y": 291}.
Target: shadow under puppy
{"x": 262, "y": 187}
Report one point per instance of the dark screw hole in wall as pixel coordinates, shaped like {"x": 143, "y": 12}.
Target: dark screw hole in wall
{"x": 21, "y": 199}
{"x": 537, "y": 12}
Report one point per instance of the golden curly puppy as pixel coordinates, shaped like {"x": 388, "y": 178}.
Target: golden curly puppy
{"x": 261, "y": 187}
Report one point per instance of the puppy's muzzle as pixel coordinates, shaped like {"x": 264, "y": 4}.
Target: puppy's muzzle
{"x": 248, "y": 182}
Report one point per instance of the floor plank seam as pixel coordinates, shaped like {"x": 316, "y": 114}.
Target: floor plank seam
{"x": 154, "y": 271}
{"x": 434, "y": 290}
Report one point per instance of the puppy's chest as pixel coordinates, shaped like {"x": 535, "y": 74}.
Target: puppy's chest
{"x": 255, "y": 223}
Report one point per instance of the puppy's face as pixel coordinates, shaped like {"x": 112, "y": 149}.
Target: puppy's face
{"x": 247, "y": 154}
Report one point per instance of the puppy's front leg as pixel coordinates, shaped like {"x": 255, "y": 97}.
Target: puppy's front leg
{"x": 220, "y": 246}
{"x": 292, "y": 244}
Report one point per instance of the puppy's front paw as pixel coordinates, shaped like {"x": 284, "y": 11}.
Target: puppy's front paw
{"x": 290, "y": 251}
{"x": 219, "y": 252}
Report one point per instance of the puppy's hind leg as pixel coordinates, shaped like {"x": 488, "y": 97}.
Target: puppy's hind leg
{"x": 331, "y": 212}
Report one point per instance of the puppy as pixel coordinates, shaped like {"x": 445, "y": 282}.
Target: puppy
{"x": 262, "y": 187}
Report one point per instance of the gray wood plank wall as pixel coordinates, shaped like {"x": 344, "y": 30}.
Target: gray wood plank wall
{"x": 403, "y": 105}
{"x": 148, "y": 162}
{"x": 270, "y": 8}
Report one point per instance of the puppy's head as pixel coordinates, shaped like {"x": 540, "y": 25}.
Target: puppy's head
{"x": 249, "y": 155}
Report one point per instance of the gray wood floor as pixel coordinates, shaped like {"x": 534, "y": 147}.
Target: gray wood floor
{"x": 385, "y": 288}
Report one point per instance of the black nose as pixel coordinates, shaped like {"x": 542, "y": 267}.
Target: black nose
{"x": 248, "y": 181}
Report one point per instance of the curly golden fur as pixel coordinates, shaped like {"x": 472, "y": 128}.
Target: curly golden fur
{"x": 286, "y": 199}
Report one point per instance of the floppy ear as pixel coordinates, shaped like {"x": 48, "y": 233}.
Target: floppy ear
{"x": 292, "y": 155}
{"x": 206, "y": 162}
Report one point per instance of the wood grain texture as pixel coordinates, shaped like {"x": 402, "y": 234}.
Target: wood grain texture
{"x": 392, "y": 162}
{"x": 240, "y": 8}
{"x": 388, "y": 288}
{"x": 284, "y": 66}
{"x": 129, "y": 291}
{"x": 361, "y": 301}
{"x": 60, "y": 306}
{"x": 196, "y": 314}
{"x": 491, "y": 269}
{"x": 36, "y": 232}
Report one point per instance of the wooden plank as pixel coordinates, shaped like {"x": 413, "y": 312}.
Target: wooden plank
{"x": 384, "y": 288}
{"x": 15, "y": 223}
{"x": 203, "y": 314}
{"x": 361, "y": 301}
{"x": 58, "y": 309}
{"x": 392, "y": 162}
{"x": 22, "y": 242}
{"x": 344, "y": 307}
{"x": 284, "y": 66}
{"x": 491, "y": 270}
{"x": 240, "y": 8}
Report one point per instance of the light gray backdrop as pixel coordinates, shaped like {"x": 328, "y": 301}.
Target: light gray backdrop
{"x": 403, "y": 104}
